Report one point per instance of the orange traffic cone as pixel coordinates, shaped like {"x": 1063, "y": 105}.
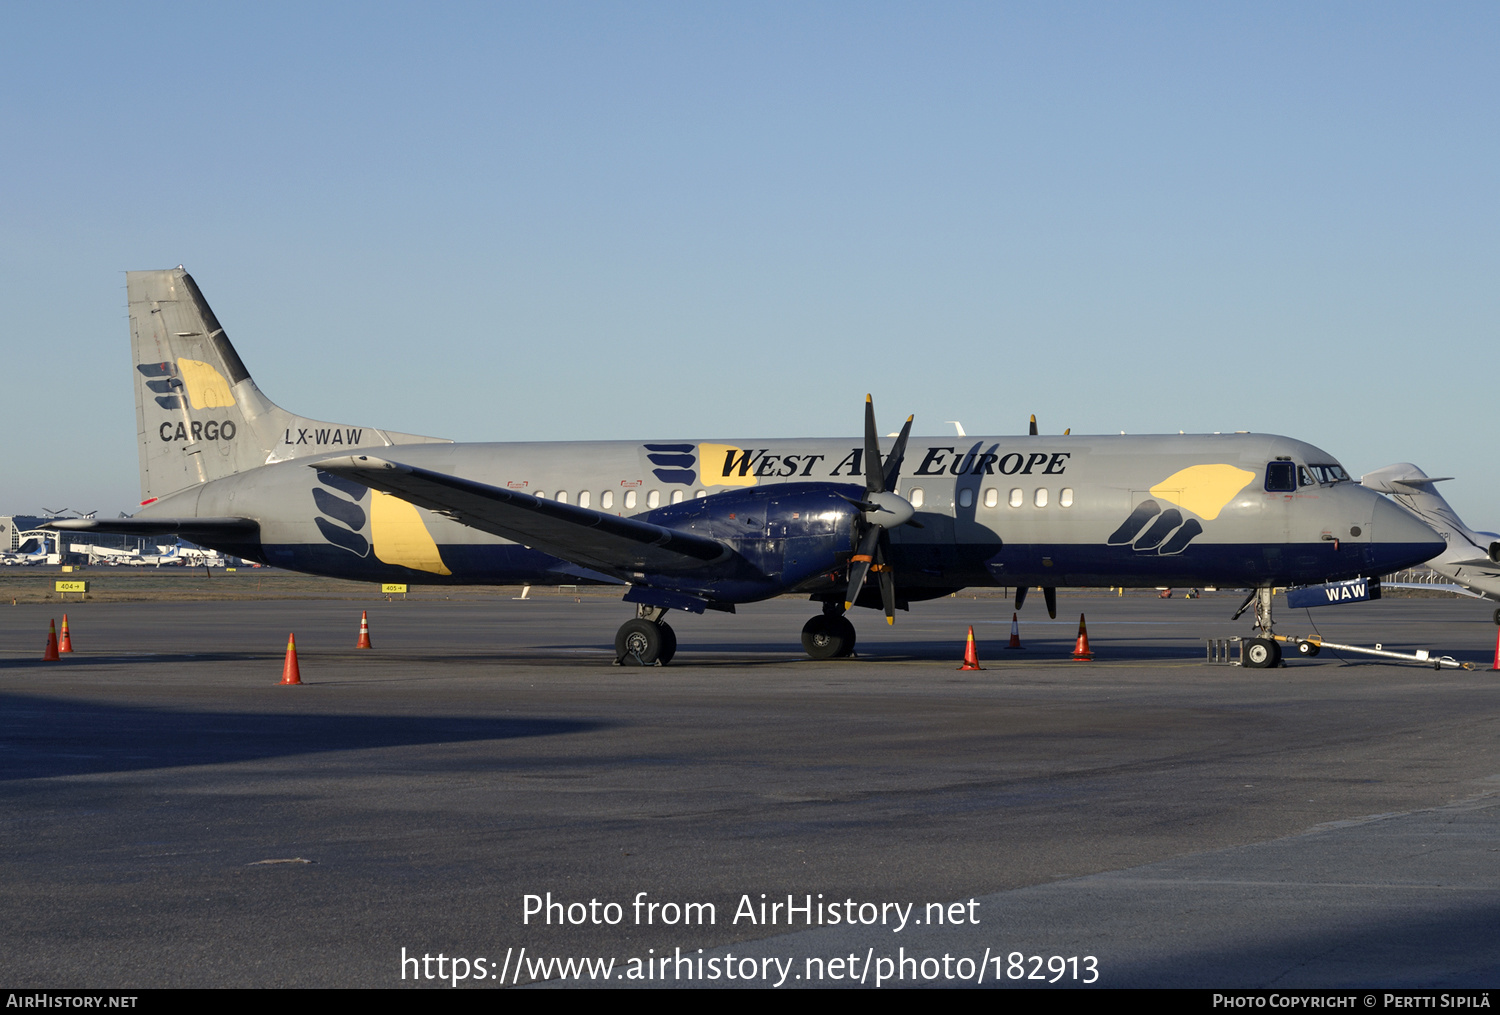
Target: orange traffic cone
{"x": 290, "y": 674}
{"x": 1497, "y": 651}
{"x": 364, "y": 630}
{"x": 66, "y": 644}
{"x": 971, "y": 655}
{"x": 49, "y": 653}
{"x": 1081, "y": 650}
{"x": 1015, "y": 632}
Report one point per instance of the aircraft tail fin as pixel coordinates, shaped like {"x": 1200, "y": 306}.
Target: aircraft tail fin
{"x": 1413, "y": 489}
{"x": 199, "y": 415}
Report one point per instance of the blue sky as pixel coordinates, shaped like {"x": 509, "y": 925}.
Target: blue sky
{"x": 587, "y": 221}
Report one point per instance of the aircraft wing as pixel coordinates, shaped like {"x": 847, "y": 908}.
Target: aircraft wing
{"x": 197, "y": 530}
{"x": 1484, "y": 562}
{"x": 580, "y": 535}
{"x": 1457, "y": 590}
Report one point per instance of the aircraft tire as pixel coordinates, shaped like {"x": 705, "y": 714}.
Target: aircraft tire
{"x": 668, "y": 644}
{"x": 1497, "y": 616}
{"x": 1261, "y": 653}
{"x": 639, "y": 643}
{"x": 825, "y": 637}
{"x": 1307, "y": 649}
{"x": 846, "y": 629}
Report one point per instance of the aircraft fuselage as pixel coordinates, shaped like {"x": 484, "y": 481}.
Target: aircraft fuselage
{"x": 1000, "y": 511}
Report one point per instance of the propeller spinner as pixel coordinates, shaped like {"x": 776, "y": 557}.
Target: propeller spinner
{"x": 882, "y": 510}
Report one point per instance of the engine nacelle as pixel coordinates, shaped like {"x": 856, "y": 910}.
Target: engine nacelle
{"x": 786, "y": 534}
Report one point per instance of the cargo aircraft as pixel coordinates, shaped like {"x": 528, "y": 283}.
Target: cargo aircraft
{"x": 707, "y": 524}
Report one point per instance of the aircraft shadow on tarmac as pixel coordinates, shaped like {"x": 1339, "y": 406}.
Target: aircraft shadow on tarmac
{"x": 1452, "y": 945}
{"x": 933, "y": 651}
{"x": 42, "y": 737}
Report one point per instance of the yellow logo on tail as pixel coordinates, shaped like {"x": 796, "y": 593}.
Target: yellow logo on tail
{"x": 206, "y": 387}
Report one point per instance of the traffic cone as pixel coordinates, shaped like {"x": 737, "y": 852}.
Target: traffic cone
{"x": 49, "y": 654}
{"x": 1081, "y": 650}
{"x": 66, "y": 644}
{"x": 971, "y": 654}
{"x": 290, "y": 674}
{"x": 364, "y": 630}
{"x": 1015, "y": 632}
{"x": 1497, "y": 651}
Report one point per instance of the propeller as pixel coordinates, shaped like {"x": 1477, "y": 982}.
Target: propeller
{"x": 882, "y": 509}
{"x": 1049, "y": 592}
{"x": 1065, "y": 433}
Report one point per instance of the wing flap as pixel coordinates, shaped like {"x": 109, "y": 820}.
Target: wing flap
{"x": 610, "y": 543}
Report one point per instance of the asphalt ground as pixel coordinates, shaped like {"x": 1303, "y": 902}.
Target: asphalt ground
{"x": 1332, "y": 822}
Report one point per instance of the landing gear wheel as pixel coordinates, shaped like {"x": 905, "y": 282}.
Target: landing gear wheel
{"x": 828, "y": 637}
{"x": 668, "y": 644}
{"x": 1497, "y": 616}
{"x": 641, "y": 643}
{"x": 1261, "y": 653}
{"x": 1307, "y": 649}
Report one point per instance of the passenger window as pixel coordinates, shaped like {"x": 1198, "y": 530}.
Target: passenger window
{"x": 1281, "y": 477}
{"x": 700, "y": 495}
{"x": 607, "y": 499}
{"x": 676, "y": 496}
{"x": 1041, "y": 496}
{"x": 1016, "y": 497}
{"x": 991, "y": 497}
{"x": 653, "y": 499}
{"x": 916, "y": 497}
{"x": 966, "y": 498}
{"x": 1065, "y": 497}
{"x": 562, "y": 496}
{"x": 583, "y": 498}
{"x": 629, "y": 500}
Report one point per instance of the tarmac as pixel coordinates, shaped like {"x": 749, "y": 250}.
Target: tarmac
{"x": 172, "y": 817}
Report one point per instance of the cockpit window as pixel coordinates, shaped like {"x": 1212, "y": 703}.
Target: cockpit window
{"x": 1281, "y": 477}
{"x": 1329, "y": 473}
{"x": 1305, "y": 478}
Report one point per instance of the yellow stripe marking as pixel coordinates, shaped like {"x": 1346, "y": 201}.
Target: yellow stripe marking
{"x": 400, "y": 537}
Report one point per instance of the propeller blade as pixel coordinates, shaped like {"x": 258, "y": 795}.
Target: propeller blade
{"x": 873, "y": 478}
{"x": 1050, "y": 594}
{"x": 898, "y": 452}
{"x": 887, "y": 584}
{"x": 1033, "y": 424}
{"x": 1021, "y": 591}
{"x": 859, "y": 566}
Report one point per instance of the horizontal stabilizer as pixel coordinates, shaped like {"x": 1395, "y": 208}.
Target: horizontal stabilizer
{"x": 610, "y": 543}
{"x": 1403, "y": 477}
{"x": 197, "y": 530}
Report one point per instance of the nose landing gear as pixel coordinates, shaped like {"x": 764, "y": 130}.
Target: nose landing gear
{"x": 1263, "y": 652}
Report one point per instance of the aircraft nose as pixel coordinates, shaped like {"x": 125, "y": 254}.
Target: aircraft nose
{"x": 1400, "y": 539}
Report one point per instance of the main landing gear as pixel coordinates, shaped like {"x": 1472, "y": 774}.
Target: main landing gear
{"x": 647, "y": 640}
{"x": 828, "y": 635}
